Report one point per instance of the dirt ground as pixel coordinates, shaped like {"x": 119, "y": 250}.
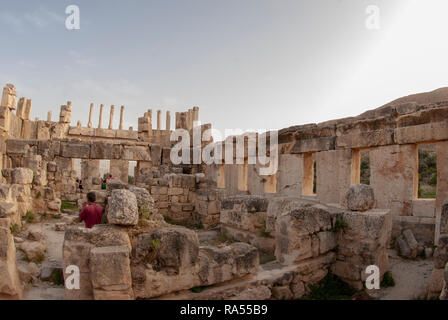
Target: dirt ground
{"x": 411, "y": 278}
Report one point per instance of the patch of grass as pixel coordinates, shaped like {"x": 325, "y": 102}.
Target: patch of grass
{"x": 68, "y": 205}
{"x": 56, "y": 216}
{"x": 340, "y": 225}
{"x": 428, "y": 195}
{"x": 155, "y": 243}
{"x": 330, "y": 288}
{"x": 388, "y": 280}
{"x": 223, "y": 237}
{"x": 29, "y": 217}
{"x": 197, "y": 289}
{"x": 15, "y": 229}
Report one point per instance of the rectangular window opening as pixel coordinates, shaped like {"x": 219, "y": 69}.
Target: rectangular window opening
{"x": 427, "y": 171}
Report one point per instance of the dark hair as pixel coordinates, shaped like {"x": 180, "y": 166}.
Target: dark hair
{"x": 91, "y": 196}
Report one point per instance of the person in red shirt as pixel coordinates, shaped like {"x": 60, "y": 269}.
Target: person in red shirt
{"x": 91, "y": 213}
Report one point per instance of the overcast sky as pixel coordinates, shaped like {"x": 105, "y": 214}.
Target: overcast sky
{"x": 249, "y": 64}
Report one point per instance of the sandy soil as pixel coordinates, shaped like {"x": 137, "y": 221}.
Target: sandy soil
{"x": 411, "y": 278}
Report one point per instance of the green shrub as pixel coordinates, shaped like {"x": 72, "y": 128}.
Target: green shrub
{"x": 15, "y": 229}
{"x": 29, "y": 217}
{"x": 340, "y": 225}
{"x": 197, "y": 289}
{"x": 388, "y": 280}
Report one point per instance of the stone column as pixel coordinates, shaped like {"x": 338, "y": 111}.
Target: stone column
{"x": 27, "y": 114}
{"x": 159, "y": 120}
{"x": 168, "y": 121}
{"x": 195, "y": 114}
{"x": 111, "y": 119}
{"x": 121, "y": 117}
{"x": 20, "y": 112}
{"x": 89, "y": 124}
{"x": 9, "y": 97}
{"x": 100, "y": 121}
{"x": 149, "y": 122}
{"x": 49, "y": 116}
{"x": 189, "y": 119}
{"x": 78, "y": 124}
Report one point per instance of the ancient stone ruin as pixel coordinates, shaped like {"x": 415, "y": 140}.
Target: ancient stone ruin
{"x": 221, "y": 230}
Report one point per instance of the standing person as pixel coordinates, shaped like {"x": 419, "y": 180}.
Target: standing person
{"x": 80, "y": 185}
{"x": 91, "y": 213}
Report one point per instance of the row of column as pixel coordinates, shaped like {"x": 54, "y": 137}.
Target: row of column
{"x": 148, "y": 116}
{"x": 111, "y": 117}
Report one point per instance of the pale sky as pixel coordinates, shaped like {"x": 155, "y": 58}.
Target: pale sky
{"x": 249, "y": 64}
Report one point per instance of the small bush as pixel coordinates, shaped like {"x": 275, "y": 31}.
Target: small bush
{"x": 197, "y": 289}
{"x": 155, "y": 243}
{"x": 15, "y": 229}
{"x": 29, "y": 217}
{"x": 340, "y": 225}
{"x": 388, "y": 280}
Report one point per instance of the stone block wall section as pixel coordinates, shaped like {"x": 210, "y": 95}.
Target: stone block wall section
{"x": 305, "y": 234}
{"x": 391, "y": 134}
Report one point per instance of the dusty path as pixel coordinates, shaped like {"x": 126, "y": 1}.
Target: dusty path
{"x": 44, "y": 290}
{"x": 411, "y": 279}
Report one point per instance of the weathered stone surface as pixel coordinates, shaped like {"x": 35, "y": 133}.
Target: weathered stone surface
{"x": 78, "y": 242}
{"x": 360, "y": 197}
{"x": 122, "y": 208}
{"x": 10, "y": 287}
{"x": 34, "y": 250}
{"x": 75, "y": 150}
{"x": 145, "y": 202}
{"x": 8, "y": 209}
{"x": 22, "y": 176}
{"x": 111, "y": 273}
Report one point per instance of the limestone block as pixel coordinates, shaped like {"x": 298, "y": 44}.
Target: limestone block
{"x": 290, "y": 174}
{"x": 55, "y": 205}
{"x": 22, "y": 176}
{"x": 360, "y": 197}
{"x": 7, "y": 209}
{"x": 333, "y": 178}
{"x": 10, "y": 286}
{"x": 75, "y": 150}
{"x": 111, "y": 272}
{"x": 392, "y": 171}
{"x": 145, "y": 202}
{"x": 136, "y": 153}
{"x": 105, "y": 150}
{"x": 122, "y": 208}
{"x": 9, "y": 97}
{"x": 34, "y": 250}
{"x": 424, "y": 208}
{"x": 5, "y": 192}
